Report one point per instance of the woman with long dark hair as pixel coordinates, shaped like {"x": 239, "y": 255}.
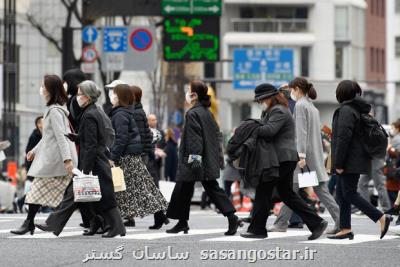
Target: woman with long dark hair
{"x": 350, "y": 159}
{"x": 279, "y": 129}
{"x": 199, "y": 161}
{"x": 141, "y": 196}
{"x": 53, "y": 157}
{"x": 146, "y": 138}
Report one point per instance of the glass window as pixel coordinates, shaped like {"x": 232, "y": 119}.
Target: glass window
{"x": 341, "y": 23}
{"x": 372, "y": 59}
{"x": 305, "y": 62}
{"x": 383, "y": 60}
{"x": 339, "y": 62}
{"x": 372, "y": 3}
{"x": 398, "y": 46}
{"x": 397, "y": 6}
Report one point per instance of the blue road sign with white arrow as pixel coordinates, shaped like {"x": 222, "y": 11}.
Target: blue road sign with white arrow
{"x": 89, "y": 34}
{"x": 253, "y": 66}
{"x": 115, "y": 39}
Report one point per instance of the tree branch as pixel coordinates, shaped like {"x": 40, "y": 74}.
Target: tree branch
{"x": 45, "y": 34}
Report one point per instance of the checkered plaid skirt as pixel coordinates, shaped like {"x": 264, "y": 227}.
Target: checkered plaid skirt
{"x": 47, "y": 191}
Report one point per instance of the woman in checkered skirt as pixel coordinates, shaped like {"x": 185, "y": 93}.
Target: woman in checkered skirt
{"x": 53, "y": 158}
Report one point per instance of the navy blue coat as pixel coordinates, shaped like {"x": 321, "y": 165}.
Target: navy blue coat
{"x": 127, "y": 136}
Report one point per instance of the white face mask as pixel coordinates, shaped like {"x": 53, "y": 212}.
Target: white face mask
{"x": 292, "y": 96}
{"x": 81, "y": 103}
{"x": 113, "y": 98}
{"x": 41, "y": 91}
{"x": 188, "y": 98}
{"x": 65, "y": 86}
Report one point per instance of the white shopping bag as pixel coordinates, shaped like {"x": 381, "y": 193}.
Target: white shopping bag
{"x": 308, "y": 179}
{"x": 86, "y": 187}
{"x": 166, "y": 189}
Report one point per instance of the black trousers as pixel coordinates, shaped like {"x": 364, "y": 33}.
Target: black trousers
{"x": 59, "y": 218}
{"x": 284, "y": 185}
{"x": 346, "y": 194}
{"x": 179, "y": 206}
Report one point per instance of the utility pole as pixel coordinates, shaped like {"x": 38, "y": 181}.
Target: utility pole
{"x": 10, "y": 130}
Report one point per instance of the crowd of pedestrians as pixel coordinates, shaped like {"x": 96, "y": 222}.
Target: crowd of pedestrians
{"x": 265, "y": 155}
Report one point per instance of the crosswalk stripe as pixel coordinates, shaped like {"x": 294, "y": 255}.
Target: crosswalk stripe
{"x": 151, "y": 236}
{"x": 271, "y": 235}
{"x": 358, "y": 238}
{"x": 6, "y": 221}
{"x": 42, "y": 235}
{"x": 46, "y": 235}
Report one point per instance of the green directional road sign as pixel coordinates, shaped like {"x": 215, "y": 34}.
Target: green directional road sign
{"x": 191, "y": 38}
{"x": 192, "y": 7}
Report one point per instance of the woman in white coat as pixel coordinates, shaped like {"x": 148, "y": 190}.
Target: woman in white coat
{"x": 309, "y": 147}
{"x": 54, "y": 157}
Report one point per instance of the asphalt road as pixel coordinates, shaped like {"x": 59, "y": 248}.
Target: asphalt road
{"x": 205, "y": 245}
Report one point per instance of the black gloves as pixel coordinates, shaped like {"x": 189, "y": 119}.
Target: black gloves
{"x": 195, "y": 165}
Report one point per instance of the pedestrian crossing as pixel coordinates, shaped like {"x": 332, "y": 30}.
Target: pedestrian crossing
{"x": 200, "y": 236}
{"x": 211, "y": 235}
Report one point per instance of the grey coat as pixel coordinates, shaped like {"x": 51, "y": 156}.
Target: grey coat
{"x": 308, "y": 138}
{"x": 54, "y": 148}
{"x": 279, "y": 128}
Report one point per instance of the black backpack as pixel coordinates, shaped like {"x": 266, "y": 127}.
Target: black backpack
{"x": 374, "y": 136}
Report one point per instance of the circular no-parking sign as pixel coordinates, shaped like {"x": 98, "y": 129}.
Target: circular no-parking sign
{"x": 141, "y": 39}
{"x": 89, "y": 54}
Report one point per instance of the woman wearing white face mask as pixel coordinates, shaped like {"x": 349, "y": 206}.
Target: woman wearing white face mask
{"x": 141, "y": 197}
{"x": 309, "y": 147}
{"x": 199, "y": 160}
{"x": 93, "y": 158}
{"x": 280, "y": 129}
{"x": 54, "y": 156}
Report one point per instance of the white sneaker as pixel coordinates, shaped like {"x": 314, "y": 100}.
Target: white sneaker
{"x": 276, "y": 229}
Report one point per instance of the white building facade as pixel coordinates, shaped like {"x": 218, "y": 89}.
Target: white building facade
{"x": 393, "y": 58}
{"x": 327, "y": 36}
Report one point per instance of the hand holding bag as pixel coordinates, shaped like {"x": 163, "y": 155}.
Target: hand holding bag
{"x": 118, "y": 179}
{"x": 308, "y": 179}
{"x": 86, "y": 187}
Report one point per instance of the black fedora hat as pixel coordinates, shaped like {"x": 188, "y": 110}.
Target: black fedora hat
{"x": 264, "y": 90}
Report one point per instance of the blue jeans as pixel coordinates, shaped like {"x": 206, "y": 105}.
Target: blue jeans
{"x": 347, "y": 195}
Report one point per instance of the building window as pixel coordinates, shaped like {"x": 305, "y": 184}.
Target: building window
{"x": 383, "y": 3}
{"x": 341, "y": 23}
{"x": 398, "y": 46}
{"x": 372, "y": 3}
{"x": 397, "y": 3}
{"x": 339, "y": 62}
{"x": 372, "y": 59}
{"x": 383, "y": 60}
{"x": 305, "y": 62}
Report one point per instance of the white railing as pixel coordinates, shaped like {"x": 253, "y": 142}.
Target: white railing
{"x": 269, "y": 25}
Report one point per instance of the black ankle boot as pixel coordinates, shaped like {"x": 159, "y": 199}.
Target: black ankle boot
{"x": 26, "y": 227}
{"x": 234, "y": 224}
{"x": 159, "y": 220}
{"x": 130, "y": 223}
{"x": 95, "y": 224}
{"x": 117, "y": 227}
{"x": 181, "y": 226}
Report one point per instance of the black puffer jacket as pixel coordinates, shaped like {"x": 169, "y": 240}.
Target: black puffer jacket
{"x": 127, "y": 137}
{"x": 145, "y": 133}
{"x": 200, "y": 137}
{"x": 347, "y": 150}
